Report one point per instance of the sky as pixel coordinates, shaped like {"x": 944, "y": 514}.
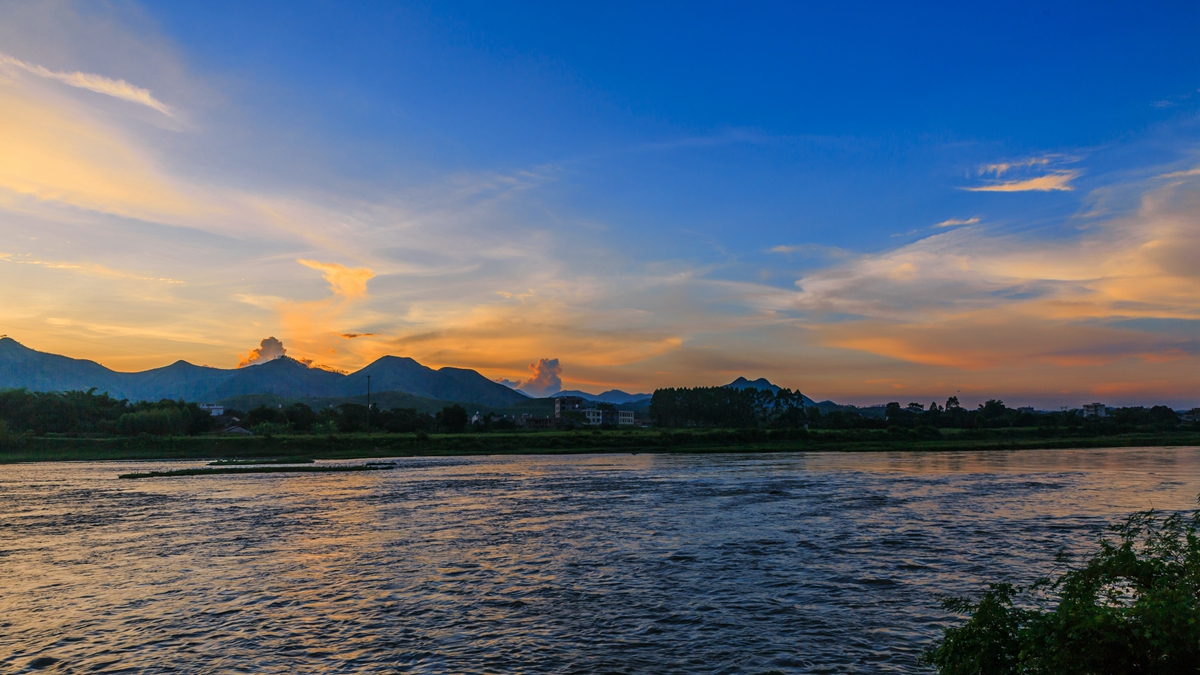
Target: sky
{"x": 862, "y": 201}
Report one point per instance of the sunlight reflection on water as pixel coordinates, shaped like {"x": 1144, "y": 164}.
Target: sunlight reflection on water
{"x": 809, "y": 562}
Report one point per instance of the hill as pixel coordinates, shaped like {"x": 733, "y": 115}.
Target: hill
{"x": 25, "y": 368}
{"x": 763, "y": 384}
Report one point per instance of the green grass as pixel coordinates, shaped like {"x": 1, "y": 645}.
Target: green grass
{"x": 352, "y": 446}
{"x": 177, "y": 473}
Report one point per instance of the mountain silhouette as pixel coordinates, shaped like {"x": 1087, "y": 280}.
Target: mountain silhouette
{"x": 615, "y": 396}
{"x": 763, "y": 384}
{"x": 25, "y": 368}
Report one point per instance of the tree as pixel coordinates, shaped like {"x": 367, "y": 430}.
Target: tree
{"x": 992, "y": 409}
{"x": 727, "y": 407}
{"x": 162, "y": 421}
{"x": 453, "y": 418}
{"x": 1134, "y": 607}
{"x": 264, "y": 415}
{"x": 300, "y": 417}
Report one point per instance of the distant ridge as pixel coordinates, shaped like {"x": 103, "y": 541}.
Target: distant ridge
{"x": 762, "y": 384}
{"x": 614, "y": 396}
{"x": 25, "y": 368}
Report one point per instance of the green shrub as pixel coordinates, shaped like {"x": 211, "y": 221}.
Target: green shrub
{"x": 155, "y": 422}
{"x": 327, "y": 428}
{"x": 270, "y": 429}
{"x": 1133, "y": 608}
{"x": 9, "y": 439}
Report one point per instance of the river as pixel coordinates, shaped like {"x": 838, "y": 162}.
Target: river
{"x": 789, "y": 563}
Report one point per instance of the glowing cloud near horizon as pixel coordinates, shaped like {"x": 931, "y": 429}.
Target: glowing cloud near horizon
{"x": 546, "y": 378}
{"x": 270, "y": 348}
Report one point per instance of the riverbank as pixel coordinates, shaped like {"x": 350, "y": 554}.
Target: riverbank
{"x": 367, "y": 446}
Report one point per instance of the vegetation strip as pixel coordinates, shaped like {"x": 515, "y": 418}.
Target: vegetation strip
{"x": 264, "y": 460}
{"x": 258, "y": 469}
{"x": 383, "y": 446}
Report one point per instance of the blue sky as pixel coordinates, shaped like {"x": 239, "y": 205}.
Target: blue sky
{"x": 863, "y": 201}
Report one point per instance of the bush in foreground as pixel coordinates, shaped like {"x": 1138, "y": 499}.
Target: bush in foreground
{"x": 1133, "y": 608}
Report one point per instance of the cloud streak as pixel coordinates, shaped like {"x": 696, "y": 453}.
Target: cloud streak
{"x": 1000, "y": 168}
{"x": 1057, "y": 181}
{"x": 953, "y": 222}
{"x": 92, "y": 82}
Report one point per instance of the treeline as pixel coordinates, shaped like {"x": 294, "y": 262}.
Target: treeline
{"x": 85, "y": 412}
{"x": 353, "y": 417}
{"x": 724, "y": 407}
{"x": 728, "y": 408}
{"x": 993, "y": 414}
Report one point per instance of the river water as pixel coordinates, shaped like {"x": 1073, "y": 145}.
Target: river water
{"x": 792, "y": 563}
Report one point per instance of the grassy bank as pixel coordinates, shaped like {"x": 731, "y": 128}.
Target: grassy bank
{"x": 352, "y": 446}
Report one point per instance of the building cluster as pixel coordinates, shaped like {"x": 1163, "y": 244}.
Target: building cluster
{"x": 1096, "y": 410}
{"x": 592, "y": 415}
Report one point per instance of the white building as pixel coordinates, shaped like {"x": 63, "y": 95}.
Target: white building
{"x": 213, "y": 409}
{"x": 1095, "y": 410}
{"x": 595, "y": 418}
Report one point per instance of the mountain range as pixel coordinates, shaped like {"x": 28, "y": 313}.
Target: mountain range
{"x": 22, "y": 367}
{"x": 614, "y": 396}
{"x": 25, "y": 368}
{"x": 618, "y": 397}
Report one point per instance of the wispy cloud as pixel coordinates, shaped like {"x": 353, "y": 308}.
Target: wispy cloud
{"x": 98, "y": 270}
{"x": 1000, "y": 168}
{"x": 92, "y": 82}
{"x": 811, "y": 249}
{"x": 958, "y": 221}
{"x": 1059, "y": 180}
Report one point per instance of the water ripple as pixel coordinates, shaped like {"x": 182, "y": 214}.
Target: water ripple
{"x": 799, "y": 563}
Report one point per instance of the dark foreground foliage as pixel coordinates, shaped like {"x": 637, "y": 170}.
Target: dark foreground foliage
{"x": 1133, "y": 608}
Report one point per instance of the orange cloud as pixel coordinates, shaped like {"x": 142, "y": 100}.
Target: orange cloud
{"x": 316, "y": 327}
{"x": 545, "y": 380}
{"x": 1059, "y": 180}
{"x": 270, "y": 348}
{"x": 348, "y": 282}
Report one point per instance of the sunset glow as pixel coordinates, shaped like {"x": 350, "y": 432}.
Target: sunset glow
{"x": 629, "y": 211}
